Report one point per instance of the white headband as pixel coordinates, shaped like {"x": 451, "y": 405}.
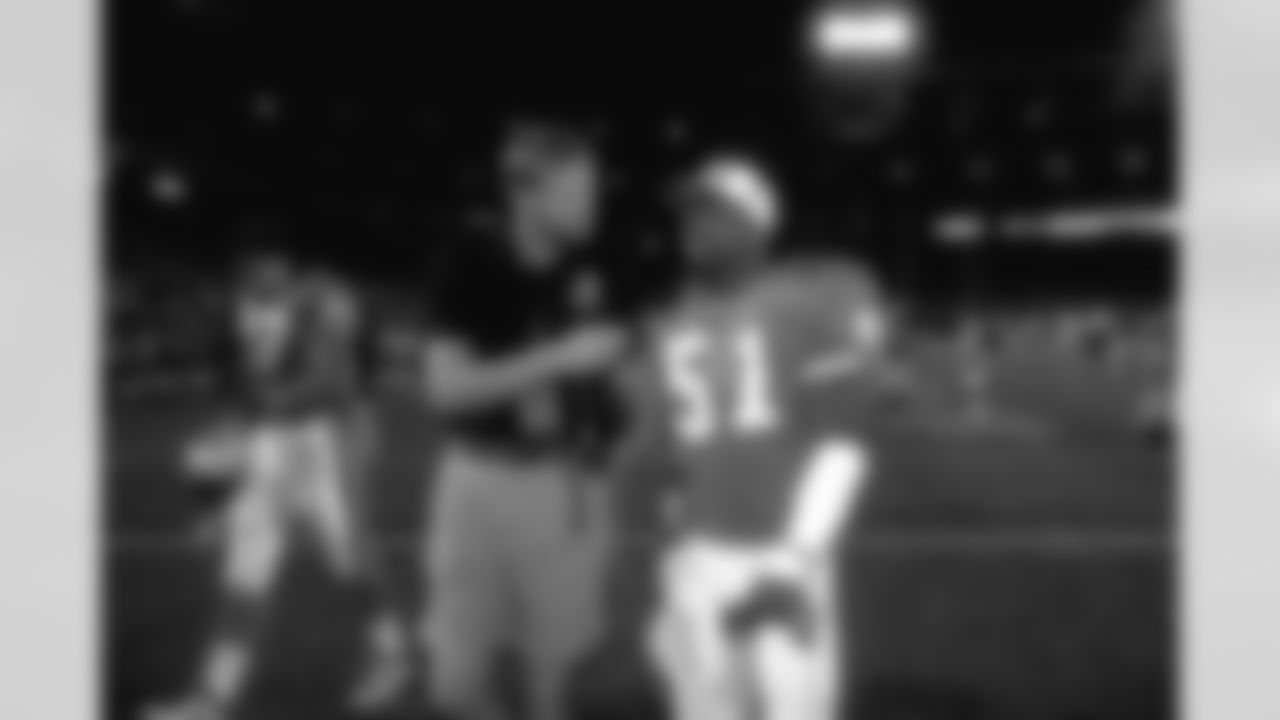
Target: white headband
{"x": 741, "y": 184}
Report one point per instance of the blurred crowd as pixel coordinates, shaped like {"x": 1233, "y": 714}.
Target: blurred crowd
{"x": 165, "y": 323}
{"x": 166, "y": 326}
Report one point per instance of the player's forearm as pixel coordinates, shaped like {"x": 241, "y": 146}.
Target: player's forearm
{"x": 864, "y": 350}
{"x": 475, "y": 385}
{"x": 833, "y": 476}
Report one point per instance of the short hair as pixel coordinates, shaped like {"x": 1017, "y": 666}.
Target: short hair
{"x": 737, "y": 181}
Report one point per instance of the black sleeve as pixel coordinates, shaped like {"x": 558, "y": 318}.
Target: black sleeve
{"x": 645, "y": 276}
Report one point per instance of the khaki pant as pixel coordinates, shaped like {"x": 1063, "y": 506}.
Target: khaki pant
{"x": 515, "y": 555}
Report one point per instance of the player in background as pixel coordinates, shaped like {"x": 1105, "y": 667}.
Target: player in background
{"x": 736, "y": 386}
{"x": 346, "y": 430}
{"x": 296, "y": 451}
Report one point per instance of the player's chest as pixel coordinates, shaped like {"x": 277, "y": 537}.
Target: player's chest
{"x": 734, "y": 371}
{"x": 727, "y": 342}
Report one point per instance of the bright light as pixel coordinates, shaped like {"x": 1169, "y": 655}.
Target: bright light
{"x": 1085, "y": 224}
{"x": 959, "y": 228}
{"x": 844, "y": 33}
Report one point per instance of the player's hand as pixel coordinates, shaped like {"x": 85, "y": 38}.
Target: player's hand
{"x": 685, "y": 563}
{"x": 589, "y": 350}
{"x": 773, "y": 602}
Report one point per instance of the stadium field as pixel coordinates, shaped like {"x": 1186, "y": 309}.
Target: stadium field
{"x": 989, "y": 576}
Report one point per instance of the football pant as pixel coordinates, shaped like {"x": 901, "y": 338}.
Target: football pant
{"x": 296, "y": 475}
{"x": 733, "y": 643}
{"x": 256, "y": 525}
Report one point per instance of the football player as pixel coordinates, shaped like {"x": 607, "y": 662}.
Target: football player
{"x": 735, "y": 386}
{"x": 297, "y": 451}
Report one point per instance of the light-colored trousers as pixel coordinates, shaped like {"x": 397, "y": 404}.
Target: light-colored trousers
{"x": 770, "y": 674}
{"x": 515, "y": 553}
{"x": 300, "y": 476}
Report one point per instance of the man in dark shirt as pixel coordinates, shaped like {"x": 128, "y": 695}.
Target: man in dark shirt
{"x": 521, "y": 345}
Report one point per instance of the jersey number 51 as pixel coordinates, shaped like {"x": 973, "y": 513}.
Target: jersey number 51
{"x": 722, "y": 383}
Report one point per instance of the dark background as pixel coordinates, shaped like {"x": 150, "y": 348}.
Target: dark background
{"x": 369, "y": 126}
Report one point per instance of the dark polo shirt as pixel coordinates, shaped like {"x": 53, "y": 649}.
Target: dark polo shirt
{"x": 482, "y": 296}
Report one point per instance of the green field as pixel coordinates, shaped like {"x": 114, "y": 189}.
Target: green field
{"x": 988, "y": 576}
